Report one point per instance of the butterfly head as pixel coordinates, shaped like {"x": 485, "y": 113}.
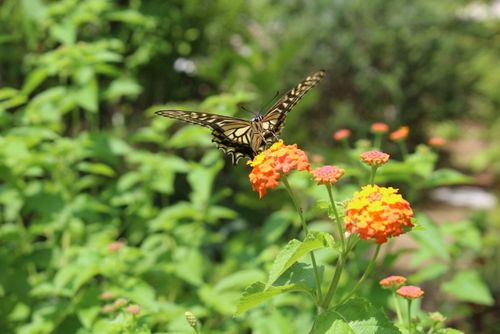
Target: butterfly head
{"x": 257, "y": 118}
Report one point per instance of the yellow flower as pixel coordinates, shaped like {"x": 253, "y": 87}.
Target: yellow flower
{"x": 378, "y": 213}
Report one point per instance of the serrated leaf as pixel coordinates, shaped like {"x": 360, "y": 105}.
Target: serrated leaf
{"x": 356, "y": 316}
{"x": 295, "y": 249}
{"x": 257, "y": 293}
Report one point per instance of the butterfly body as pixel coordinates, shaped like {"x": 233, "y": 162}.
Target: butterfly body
{"x": 239, "y": 137}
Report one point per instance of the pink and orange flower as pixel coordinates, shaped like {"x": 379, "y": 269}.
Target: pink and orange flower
{"x": 341, "y": 134}
{"x": 327, "y": 174}
{"x": 392, "y": 282}
{"x": 374, "y": 158}
{"x": 410, "y": 292}
{"x": 379, "y": 127}
{"x": 437, "y": 142}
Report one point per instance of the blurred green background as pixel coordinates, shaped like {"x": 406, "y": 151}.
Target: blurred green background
{"x": 85, "y": 163}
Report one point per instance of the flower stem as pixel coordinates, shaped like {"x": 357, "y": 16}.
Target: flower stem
{"x": 337, "y": 217}
{"x": 378, "y": 141}
{"x": 409, "y": 317}
{"x": 335, "y": 282}
{"x": 372, "y": 175}
{"x": 306, "y": 230}
{"x": 396, "y": 304}
{"x": 365, "y": 275}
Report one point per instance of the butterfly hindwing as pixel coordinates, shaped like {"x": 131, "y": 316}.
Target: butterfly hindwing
{"x": 232, "y": 135}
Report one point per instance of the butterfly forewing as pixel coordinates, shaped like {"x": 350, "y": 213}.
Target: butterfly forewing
{"x": 240, "y": 138}
{"x": 274, "y": 119}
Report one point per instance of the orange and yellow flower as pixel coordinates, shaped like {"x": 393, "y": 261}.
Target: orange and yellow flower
{"x": 271, "y": 164}
{"x": 410, "y": 292}
{"x": 392, "y": 282}
{"x": 378, "y": 213}
{"x": 327, "y": 174}
{"x": 379, "y": 127}
{"x": 341, "y": 134}
{"x": 400, "y": 134}
{"x": 374, "y": 158}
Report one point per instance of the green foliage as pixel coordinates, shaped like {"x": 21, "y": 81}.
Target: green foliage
{"x": 355, "y": 316}
{"x": 98, "y": 198}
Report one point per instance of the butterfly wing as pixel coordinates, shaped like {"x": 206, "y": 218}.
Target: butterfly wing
{"x": 231, "y": 134}
{"x": 274, "y": 119}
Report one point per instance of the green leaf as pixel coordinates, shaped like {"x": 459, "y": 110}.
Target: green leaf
{"x": 448, "y": 331}
{"x": 96, "y": 168}
{"x": 275, "y": 225}
{"x": 239, "y": 279}
{"x": 189, "y": 265}
{"x": 13, "y": 102}
{"x": 65, "y": 33}
{"x": 301, "y": 274}
{"x": 469, "y": 287}
{"x": 190, "y": 136}
{"x": 7, "y": 93}
{"x": 257, "y": 293}
{"x": 445, "y": 176}
{"x": 34, "y": 79}
{"x": 123, "y": 87}
{"x": 356, "y": 316}
{"x": 87, "y": 96}
{"x": 431, "y": 239}
{"x": 295, "y": 249}
{"x": 429, "y": 272}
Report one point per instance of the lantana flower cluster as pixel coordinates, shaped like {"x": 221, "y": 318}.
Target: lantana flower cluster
{"x": 378, "y": 213}
{"x": 271, "y": 164}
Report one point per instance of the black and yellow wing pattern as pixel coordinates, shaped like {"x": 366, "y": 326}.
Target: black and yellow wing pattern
{"x": 240, "y": 138}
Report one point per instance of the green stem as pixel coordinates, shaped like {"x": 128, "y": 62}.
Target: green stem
{"x": 335, "y": 282}
{"x": 337, "y": 217}
{"x": 306, "y": 230}
{"x": 365, "y": 275}
{"x": 396, "y": 304}
{"x": 372, "y": 175}
{"x": 378, "y": 141}
{"x": 409, "y": 317}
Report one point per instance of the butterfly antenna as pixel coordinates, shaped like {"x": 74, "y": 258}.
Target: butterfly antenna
{"x": 268, "y": 103}
{"x": 248, "y": 111}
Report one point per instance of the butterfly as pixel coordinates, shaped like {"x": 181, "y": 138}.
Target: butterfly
{"x": 239, "y": 137}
